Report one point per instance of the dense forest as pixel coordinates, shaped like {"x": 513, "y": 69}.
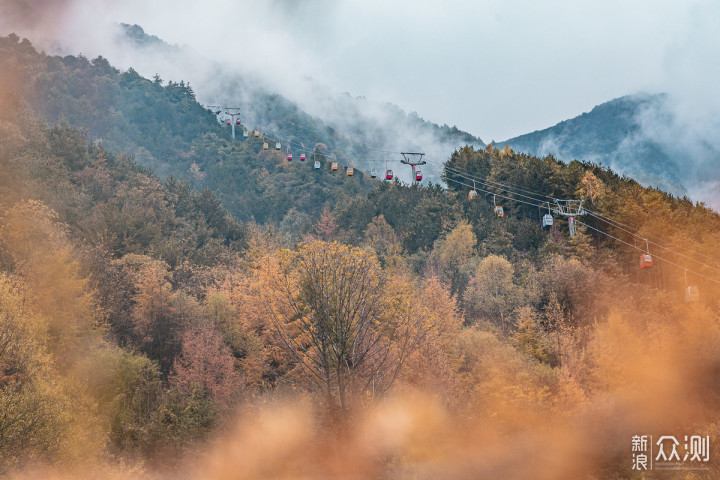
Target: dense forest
{"x": 314, "y": 325}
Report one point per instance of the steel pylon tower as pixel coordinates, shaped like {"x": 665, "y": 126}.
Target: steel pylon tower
{"x": 232, "y": 111}
{"x": 413, "y": 159}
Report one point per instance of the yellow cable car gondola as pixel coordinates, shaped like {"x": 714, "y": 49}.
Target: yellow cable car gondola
{"x": 257, "y": 133}
{"x": 265, "y": 146}
{"x": 334, "y": 166}
{"x": 498, "y": 209}
{"x": 349, "y": 172}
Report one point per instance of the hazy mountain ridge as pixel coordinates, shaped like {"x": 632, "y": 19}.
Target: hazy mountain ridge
{"x": 358, "y": 128}
{"x": 635, "y": 135}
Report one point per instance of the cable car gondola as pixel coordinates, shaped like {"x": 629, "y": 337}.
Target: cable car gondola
{"x": 498, "y": 209}
{"x": 472, "y": 195}
{"x": 246, "y": 134}
{"x": 278, "y": 146}
{"x": 692, "y": 294}
{"x": 418, "y": 176}
{"x": 646, "y": 260}
{"x": 547, "y": 220}
{"x": 257, "y": 133}
{"x": 334, "y": 166}
{"x": 389, "y": 175}
{"x": 373, "y": 173}
{"x": 349, "y": 172}
{"x": 289, "y": 157}
{"x": 238, "y": 122}
{"x": 317, "y": 165}
{"x": 302, "y": 157}
{"x": 227, "y": 122}
{"x": 265, "y": 146}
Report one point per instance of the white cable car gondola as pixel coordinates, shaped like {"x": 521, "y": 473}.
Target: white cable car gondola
{"x": 278, "y": 146}
{"x": 547, "y": 220}
{"x": 692, "y": 294}
{"x": 373, "y": 173}
{"x": 245, "y": 133}
{"x": 316, "y": 166}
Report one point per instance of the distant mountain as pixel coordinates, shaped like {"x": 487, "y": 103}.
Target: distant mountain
{"x": 637, "y": 135}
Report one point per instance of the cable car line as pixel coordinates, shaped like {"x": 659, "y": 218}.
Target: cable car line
{"x": 495, "y": 193}
{"x": 654, "y": 255}
{"x": 508, "y": 189}
{"x": 599, "y": 217}
{"x": 489, "y": 185}
{"x": 653, "y": 243}
{"x": 499, "y": 184}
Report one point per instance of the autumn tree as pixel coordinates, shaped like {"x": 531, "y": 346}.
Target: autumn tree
{"x": 205, "y": 362}
{"x": 491, "y": 291}
{"x": 454, "y": 256}
{"x": 348, "y": 326}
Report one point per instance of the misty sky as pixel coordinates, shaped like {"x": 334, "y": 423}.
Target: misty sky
{"x": 496, "y": 68}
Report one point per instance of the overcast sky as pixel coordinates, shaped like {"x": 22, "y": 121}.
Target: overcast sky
{"x": 496, "y": 68}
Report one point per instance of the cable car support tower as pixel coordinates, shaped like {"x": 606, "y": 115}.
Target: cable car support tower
{"x": 569, "y": 209}
{"x": 231, "y": 111}
{"x": 413, "y": 159}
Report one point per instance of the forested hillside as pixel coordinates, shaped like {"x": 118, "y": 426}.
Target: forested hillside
{"x": 354, "y": 329}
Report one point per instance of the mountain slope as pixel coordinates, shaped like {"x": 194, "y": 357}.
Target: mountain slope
{"x": 638, "y": 135}
{"x": 309, "y": 112}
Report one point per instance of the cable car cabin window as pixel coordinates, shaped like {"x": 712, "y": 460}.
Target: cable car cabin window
{"x": 265, "y": 146}
{"x": 692, "y": 294}
{"x": 317, "y": 164}
{"x": 472, "y": 195}
{"x": 547, "y": 220}
{"x": 418, "y": 176}
{"x": 350, "y": 171}
{"x": 389, "y": 175}
{"x": 334, "y": 166}
{"x": 646, "y": 260}
{"x": 302, "y": 157}
{"x": 499, "y": 211}
{"x": 289, "y": 157}
{"x": 373, "y": 173}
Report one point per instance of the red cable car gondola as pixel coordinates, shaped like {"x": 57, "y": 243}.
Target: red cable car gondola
{"x": 418, "y": 176}
{"x": 227, "y": 122}
{"x": 238, "y": 122}
{"x": 646, "y": 260}
{"x": 389, "y": 175}
{"x": 289, "y": 157}
{"x": 302, "y": 157}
